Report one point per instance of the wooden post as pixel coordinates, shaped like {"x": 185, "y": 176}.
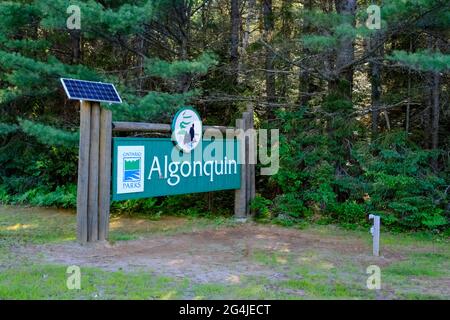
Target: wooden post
{"x": 83, "y": 171}
{"x": 252, "y": 164}
{"x": 246, "y": 194}
{"x": 246, "y": 141}
{"x": 104, "y": 173}
{"x": 93, "y": 173}
{"x": 240, "y": 194}
{"x": 375, "y": 230}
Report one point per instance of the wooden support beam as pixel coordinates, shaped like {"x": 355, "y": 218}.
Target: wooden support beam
{"x": 104, "y": 193}
{"x": 222, "y": 129}
{"x": 246, "y": 122}
{"x": 240, "y": 194}
{"x": 93, "y": 173}
{"x": 154, "y": 127}
{"x": 141, "y": 126}
{"x": 83, "y": 172}
{"x": 251, "y": 182}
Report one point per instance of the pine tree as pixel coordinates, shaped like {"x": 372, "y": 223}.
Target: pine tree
{"x": 37, "y": 49}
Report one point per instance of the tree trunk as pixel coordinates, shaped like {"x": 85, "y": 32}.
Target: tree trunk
{"x": 375, "y": 80}
{"x": 435, "y": 111}
{"x": 408, "y": 103}
{"x": 305, "y": 86}
{"x": 431, "y": 115}
{"x": 286, "y": 33}
{"x": 426, "y": 118}
{"x": 250, "y": 20}
{"x": 234, "y": 41}
{"x": 75, "y": 39}
{"x": 269, "y": 58}
{"x": 251, "y": 16}
{"x": 345, "y": 51}
{"x": 183, "y": 10}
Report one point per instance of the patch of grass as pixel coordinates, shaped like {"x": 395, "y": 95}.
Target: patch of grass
{"x": 252, "y": 291}
{"x": 322, "y": 287}
{"x": 309, "y": 286}
{"x": 35, "y": 225}
{"x": 251, "y": 288}
{"x": 49, "y": 282}
{"x": 209, "y": 290}
{"x": 312, "y": 276}
{"x": 420, "y": 296}
{"x": 119, "y": 236}
{"x": 270, "y": 258}
{"x": 427, "y": 264}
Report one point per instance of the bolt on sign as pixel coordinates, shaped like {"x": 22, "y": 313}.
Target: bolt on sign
{"x": 185, "y": 163}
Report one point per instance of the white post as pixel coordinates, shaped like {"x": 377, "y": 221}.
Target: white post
{"x": 375, "y": 231}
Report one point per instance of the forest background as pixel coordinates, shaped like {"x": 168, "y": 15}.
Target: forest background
{"x": 363, "y": 113}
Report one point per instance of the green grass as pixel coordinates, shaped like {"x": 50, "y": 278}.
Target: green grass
{"x": 327, "y": 276}
{"x": 21, "y": 225}
{"x": 49, "y": 282}
{"x": 427, "y": 264}
{"x": 311, "y": 274}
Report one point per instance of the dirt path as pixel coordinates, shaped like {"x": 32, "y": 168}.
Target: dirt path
{"x": 219, "y": 255}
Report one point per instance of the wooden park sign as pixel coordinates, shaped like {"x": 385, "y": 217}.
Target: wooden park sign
{"x": 145, "y": 167}
{"x": 195, "y": 159}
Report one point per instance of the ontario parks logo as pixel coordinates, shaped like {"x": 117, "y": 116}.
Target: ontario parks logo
{"x": 186, "y": 129}
{"x": 130, "y": 169}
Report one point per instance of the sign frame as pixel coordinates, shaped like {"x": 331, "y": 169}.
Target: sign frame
{"x": 139, "y": 141}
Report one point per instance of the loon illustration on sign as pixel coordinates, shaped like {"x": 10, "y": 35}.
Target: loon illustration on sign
{"x": 186, "y": 129}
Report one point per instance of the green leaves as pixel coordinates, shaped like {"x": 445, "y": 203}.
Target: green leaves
{"x": 49, "y": 135}
{"x": 422, "y": 60}
{"x": 401, "y": 183}
{"x": 167, "y": 70}
{"x": 155, "y": 105}
{"x": 7, "y": 128}
{"x": 319, "y": 42}
{"x": 95, "y": 18}
{"x": 344, "y": 178}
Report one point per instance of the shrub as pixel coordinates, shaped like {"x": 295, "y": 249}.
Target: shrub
{"x": 261, "y": 206}
{"x": 332, "y": 168}
{"x": 349, "y": 212}
{"x": 62, "y": 197}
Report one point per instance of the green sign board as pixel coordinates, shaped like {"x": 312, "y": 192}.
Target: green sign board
{"x": 150, "y": 167}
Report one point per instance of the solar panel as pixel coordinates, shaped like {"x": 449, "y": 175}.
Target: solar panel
{"x": 90, "y": 90}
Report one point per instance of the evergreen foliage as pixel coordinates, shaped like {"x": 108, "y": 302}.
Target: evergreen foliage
{"x": 363, "y": 114}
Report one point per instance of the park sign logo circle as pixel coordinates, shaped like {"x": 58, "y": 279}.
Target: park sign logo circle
{"x": 186, "y": 129}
